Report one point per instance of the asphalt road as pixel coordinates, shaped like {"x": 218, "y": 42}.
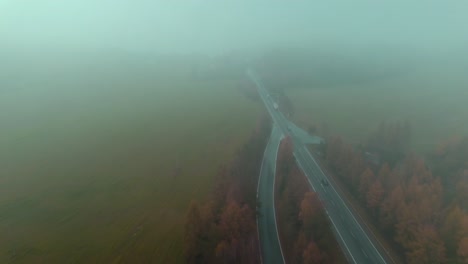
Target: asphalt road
{"x": 266, "y": 222}
{"x": 354, "y": 241}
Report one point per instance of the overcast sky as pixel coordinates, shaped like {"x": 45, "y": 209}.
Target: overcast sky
{"x": 213, "y": 26}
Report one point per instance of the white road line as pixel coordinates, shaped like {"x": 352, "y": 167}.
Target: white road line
{"x": 274, "y": 207}
{"x": 263, "y": 160}
{"x": 334, "y": 225}
{"x": 277, "y": 121}
{"x": 333, "y": 202}
{"x": 311, "y": 185}
{"x": 275, "y": 126}
{"x": 258, "y": 187}
{"x": 349, "y": 211}
{"x": 364, "y": 253}
{"x": 349, "y": 251}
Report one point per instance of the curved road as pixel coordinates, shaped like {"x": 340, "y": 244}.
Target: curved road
{"x": 353, "y": 239}
{"x": 266, "y": 222}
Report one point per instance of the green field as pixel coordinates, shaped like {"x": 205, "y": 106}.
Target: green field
{"x": 99, "y": 166}
{"x": 432, "y": 99}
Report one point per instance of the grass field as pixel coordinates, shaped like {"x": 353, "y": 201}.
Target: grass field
{"x": 432, "y": 99}
{"x": 101, "y": 168}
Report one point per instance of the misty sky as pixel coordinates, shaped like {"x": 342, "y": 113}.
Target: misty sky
{"x": 214, "y": 26}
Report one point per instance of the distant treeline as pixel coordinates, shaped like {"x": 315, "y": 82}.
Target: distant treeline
{"x": 421, "y": 205}
{"x": 305, "y": 231}
{"x": 223, "y": 229}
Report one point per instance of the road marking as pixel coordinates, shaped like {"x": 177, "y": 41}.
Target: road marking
{"x": 344, "y": 242}
{"x": 306, "y": 176}
{"x": 274, "y": 133}
{"x": 364, "y": 253}
{"x": 274, "y": 207}
{"x": 334, "y": 225}
{"x": 352, "y": 233}
{"x": 258, "y": 187}
{"x": 263, "y": 160}
{"x": 277, "y": 120}
{"x": 360, "y": 227}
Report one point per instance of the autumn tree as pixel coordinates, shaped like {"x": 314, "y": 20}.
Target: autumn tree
{"x": 390, "y": 205}
{"x": 375, "y": 195}
{"x": 223, "y": 229}
{"x": 451, "y": 228}
{"x": 450, "y": 162}
{"x": 463, "y": 250}
{"x": 285, "y": 156}
{"x": 427, "y": 247}
{"x": 194, "y": 232}
{"x": 289, "y": 188}
{"x": 345, "y": 161}
{"x": 237, "y": 243}
{"x": 354, "y": 168}
{"x": 420, "y": 203}
{"x": 461, "y": 190}
{"x": 312, "y": 254}
{"x": 365, "y": 183}
{"x": 299, "y": 247}
{"x": 310, "y": 208}
{"x": 388, "y": 179}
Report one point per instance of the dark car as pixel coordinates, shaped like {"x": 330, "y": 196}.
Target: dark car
{"x": 324, "y": 182}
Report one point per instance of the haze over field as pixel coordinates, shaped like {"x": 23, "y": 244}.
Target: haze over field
{"x": 114, "y": 115}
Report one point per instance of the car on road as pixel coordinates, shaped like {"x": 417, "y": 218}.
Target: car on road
{"x": 324, "y": 182}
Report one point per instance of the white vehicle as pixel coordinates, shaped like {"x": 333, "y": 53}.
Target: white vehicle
{"x": 275, "y": 106}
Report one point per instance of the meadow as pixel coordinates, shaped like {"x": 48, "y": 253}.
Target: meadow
{"x": 98, "y": 163}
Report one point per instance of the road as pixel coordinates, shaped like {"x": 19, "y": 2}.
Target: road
{"x": 353, "y": 239}
{"x": 266, "y": 222}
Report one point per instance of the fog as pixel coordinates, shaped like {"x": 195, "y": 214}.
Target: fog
{"x": 114, "y": 115}
{"x": 214, "y": 27}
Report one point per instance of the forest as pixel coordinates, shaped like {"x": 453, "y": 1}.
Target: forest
{"x": 223, "y": 229}
{"x": 418, "y": 202}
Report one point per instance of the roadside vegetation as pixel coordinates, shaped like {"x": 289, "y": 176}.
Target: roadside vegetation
{"x": 223, "y": 229}
{"x": 418, "y": 203}
{"x": 305, "y": 231}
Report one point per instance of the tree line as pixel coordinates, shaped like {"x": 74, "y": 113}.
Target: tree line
{"x": 223, "y": 229}
{"x": 419, "y": 203}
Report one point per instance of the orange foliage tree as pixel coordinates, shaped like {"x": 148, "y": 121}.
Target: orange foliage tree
{"x": 422, "y": 207}
{"x": 224, "y": 230}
